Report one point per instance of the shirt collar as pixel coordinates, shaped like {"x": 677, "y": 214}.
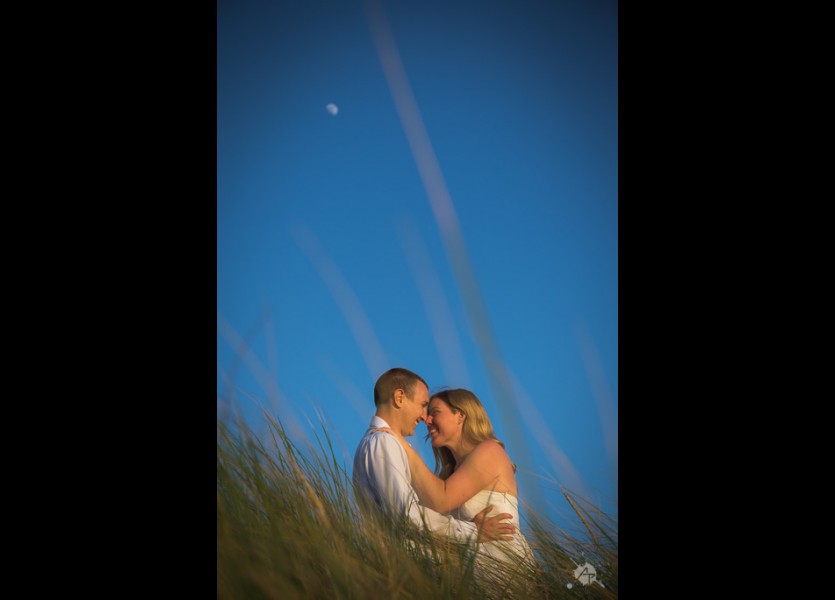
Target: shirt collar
{"x": 378, "y": 422}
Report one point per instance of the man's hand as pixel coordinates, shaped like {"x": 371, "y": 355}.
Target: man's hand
{"x": 490, "y": 528}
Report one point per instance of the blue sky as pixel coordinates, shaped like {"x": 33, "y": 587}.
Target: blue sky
{"x": 344, "y": 242}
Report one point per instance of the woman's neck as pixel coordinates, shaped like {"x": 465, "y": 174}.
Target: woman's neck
{"x": 460, "y": 450}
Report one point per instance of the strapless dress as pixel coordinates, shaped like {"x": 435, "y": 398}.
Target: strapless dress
{"x": 515, "y": 554}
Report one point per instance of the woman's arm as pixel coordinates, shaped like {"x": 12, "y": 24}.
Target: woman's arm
{"x": 479, "y": 471}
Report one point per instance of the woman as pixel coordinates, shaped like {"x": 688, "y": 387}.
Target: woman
{"x": 473, "y": 471}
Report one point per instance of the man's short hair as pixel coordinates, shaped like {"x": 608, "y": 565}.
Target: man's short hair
{"x": 393, "y": 379}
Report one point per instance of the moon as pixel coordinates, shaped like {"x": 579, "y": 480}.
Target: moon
{"x": 332, "y": 108}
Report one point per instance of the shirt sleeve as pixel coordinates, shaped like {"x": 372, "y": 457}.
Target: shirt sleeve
{"x": 388, "y": 472}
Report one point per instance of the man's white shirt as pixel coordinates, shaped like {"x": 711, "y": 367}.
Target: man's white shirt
{"x": 381, "y": 470}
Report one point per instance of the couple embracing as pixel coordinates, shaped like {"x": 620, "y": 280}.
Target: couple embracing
{"x": 474, "y": 472}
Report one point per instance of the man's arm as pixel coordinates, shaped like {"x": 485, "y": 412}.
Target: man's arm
{"x": 481, "y": 529}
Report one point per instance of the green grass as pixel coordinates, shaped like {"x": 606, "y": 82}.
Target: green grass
{"x": 289, "y": 525}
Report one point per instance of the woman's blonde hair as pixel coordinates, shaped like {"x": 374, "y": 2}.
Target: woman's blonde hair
{"x": 476, "y": 427}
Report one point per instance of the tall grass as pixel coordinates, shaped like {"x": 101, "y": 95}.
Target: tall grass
{"x": 289, "y": 525}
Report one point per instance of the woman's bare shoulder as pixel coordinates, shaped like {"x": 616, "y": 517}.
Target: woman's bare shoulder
{"x": 489, "y": 450}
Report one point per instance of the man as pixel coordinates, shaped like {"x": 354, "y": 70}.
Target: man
{"x": 381, "y": 468}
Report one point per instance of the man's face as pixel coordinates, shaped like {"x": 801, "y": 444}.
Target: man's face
{"x": 414, "y": 409}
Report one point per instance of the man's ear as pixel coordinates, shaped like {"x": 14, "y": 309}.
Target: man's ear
{"x": 399, "y": 397}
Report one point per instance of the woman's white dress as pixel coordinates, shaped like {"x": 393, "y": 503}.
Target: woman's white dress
{"x": 513, "y": 556}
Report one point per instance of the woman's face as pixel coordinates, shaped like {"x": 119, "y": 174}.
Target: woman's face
{"x": 443, "y": 424}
